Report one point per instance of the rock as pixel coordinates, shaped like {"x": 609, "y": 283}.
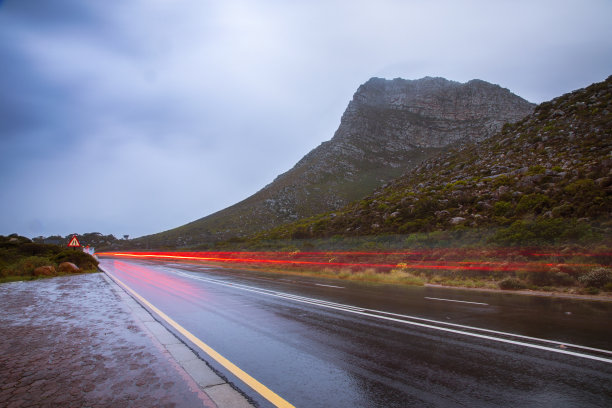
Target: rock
{"x": 501, "y": 191}
{"x": 457, "y": 220}
{"x": 68, "y": 267}
{"x": 47, "y": 270}
{"x": 603, "y": 181}
{"x": 558, "y": 112}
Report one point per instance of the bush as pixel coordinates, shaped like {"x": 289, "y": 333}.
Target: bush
{"x": 592, "y": 290}
{"x": 551, "y": 277}
{"x": 511, "y": 284}
{"x": 26, "y": 266}
{"x": 84, "y": 261}
{"x": 563, "y": 210}
{"x": 543, "y": 231}
{"x": 502, "y": 208}
{"x": 562, "y": 279}
{"x": 596, "y": 278}
{"x": 534, "y": 170}
{"x": 36, "y": 249}
{"x": 539, "y": 278}
{"x": 580, "y": 187}
{"x": 532, "y": 203}
{"x": 503, "y": 180}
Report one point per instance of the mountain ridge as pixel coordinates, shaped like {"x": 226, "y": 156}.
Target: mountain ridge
{"x": 389, "y": 127}
{"x": 543, "y": 179}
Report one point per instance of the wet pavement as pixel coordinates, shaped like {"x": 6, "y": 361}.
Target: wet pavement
{"x": 324, "y": 343}
{"x": 72, "y": 342}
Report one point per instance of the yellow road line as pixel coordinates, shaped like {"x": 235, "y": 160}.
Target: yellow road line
{"x": 231, "y": 367}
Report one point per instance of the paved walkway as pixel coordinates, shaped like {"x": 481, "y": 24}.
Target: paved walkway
{"x": 77, "y": 341}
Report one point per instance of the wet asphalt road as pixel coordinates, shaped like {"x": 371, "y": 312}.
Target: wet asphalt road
{"x": 383, "y": 346}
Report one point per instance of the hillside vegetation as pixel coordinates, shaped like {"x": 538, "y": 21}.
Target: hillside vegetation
{"x": 93, "y": 239}
{"x": 545, "y": 180}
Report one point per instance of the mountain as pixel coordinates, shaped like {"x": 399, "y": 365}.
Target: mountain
{"x": 546, "y": 179}
{"x": 389, "y": 127}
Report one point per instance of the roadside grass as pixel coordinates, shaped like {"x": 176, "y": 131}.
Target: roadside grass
{"x": 467, "y": 258}
{"x": 555, "y": 277}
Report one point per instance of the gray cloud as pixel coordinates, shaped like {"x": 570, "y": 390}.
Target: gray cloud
{"x": 139, "y": 116}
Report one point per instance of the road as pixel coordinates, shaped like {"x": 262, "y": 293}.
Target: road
{"x": 325, "y": 343}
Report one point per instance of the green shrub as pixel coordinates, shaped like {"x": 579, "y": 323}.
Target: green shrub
{"x": 563, "y": 210}
{"x": 532, "y": 203}
{"x": 580, "y": 187}
{"x": 84, "y": 261}
{"x": 537, "y": 169}
{"x": 425, "y": 207}
{"x": 36, "y": 249}
{"x": 26, "y": 266}
{"x": 511, "y": 284}
{"x": 596, "y": 278}
{"x": 503, "y": 180}
{"x": 562, "y": 279}
{"x": 539, "y": 278}
{"x": 543, "y": 231}
{"x": 502, "y": 208}
{"x": 592, "y": 290}
{"x": 552, "y": 277}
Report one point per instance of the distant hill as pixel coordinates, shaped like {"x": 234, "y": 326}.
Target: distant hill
{"x": 545, "y": 179}
{"x": 92, "y": 239}
{"x": 388, "y": 128}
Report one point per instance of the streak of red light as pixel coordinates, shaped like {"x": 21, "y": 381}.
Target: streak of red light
{"x": 464, "y": 265}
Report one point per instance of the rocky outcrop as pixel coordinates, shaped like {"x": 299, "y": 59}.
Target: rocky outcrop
{"x": 48, "y": 270}
{"x": 68, "y": 267}
{"x": 388, "y": 128}
{"x": 551, "y": 170}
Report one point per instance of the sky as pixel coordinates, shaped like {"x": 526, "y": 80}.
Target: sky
{"x": 138, "y": 116}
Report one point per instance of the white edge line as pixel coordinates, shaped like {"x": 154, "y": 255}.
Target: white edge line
{"x": 329, "y": 286}
{"x": 458, "y": 301}
{"x": 343, "y": 306}
{"x": 365, "y": 312}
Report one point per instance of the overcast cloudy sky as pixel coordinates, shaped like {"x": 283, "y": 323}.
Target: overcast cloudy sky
{"x": 137, "y": 116}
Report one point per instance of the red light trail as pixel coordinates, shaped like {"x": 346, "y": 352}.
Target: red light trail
{"x": 376, "y": 260}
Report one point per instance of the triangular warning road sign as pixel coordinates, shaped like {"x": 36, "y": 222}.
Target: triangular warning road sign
{"x": 74, "y": 242}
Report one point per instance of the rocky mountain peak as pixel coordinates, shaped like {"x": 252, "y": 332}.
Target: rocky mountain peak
{"x": 543, "y": 180}
{"x": 389, "y": 127}
{"x": 429, "y": 112}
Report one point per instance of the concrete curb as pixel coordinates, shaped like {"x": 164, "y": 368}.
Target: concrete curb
{"x": 217, "y": 389}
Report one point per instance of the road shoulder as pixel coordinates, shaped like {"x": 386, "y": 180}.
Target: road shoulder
{"x": 215, "y": 387}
